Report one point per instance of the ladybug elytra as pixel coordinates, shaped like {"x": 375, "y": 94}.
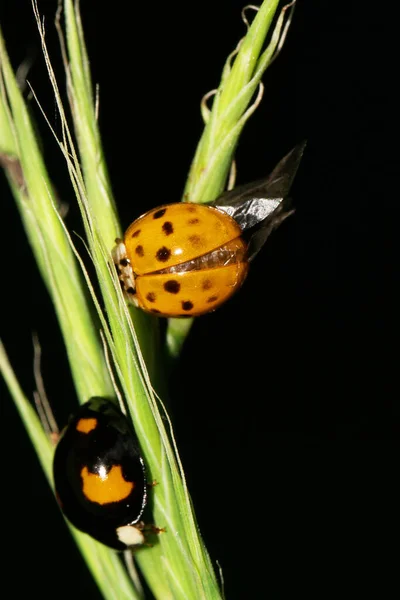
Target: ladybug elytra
{"x": 99, "y": 475}
{"x": 181, "y": 259}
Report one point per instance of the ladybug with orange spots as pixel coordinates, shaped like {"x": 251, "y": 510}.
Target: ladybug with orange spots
{"x": 186, "y": 259}
{"x": 100, "y": 476}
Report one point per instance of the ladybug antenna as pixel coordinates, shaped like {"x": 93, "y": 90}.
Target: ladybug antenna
{"x": 41, "y": 400}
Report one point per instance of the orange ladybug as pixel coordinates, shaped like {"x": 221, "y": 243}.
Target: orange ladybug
{"x": 187, "y": 259}
{"x": 181, "y": 259}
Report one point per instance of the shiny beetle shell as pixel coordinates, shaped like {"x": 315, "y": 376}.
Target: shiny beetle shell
{"x": 186, "y": 259}
{"x": 99, "y": 475}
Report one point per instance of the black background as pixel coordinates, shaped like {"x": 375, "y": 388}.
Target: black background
{"x": 285, "y": 402}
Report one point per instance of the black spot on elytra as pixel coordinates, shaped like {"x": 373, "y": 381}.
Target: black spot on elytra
{"x": 139, "y": 250}
{"x": 191, "y": 209}
{"x": 195, "y": 240}
{"x": 168, "y": 228}
{"x": 207, "y": 284}
{"x": 159, "y": 213}
{"x": 135, "y": 233}
{"x": 151, "y": 297}
{"x": 155, "y": 311}
{"x": 124, "y": 262}
{"x": 163, "y": 254}
{"x": 130, "y": 290}
{"x": 212, "y": 299}
{"x": 187, "y": 305}
{"x": 172, "y": 286}
{"x": 193, "y": 221}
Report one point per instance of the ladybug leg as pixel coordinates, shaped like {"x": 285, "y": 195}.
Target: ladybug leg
{"x": 125, "y": 271}
{"x": 135, "y": 536}
{"x": 151, "y": 528}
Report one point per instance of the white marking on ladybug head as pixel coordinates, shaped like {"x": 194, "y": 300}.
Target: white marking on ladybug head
{"x": 130, "y": 535}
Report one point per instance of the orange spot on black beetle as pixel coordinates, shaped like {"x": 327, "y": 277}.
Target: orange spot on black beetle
{"x": 187, "y": 305}
{"x": 105, "y": 487}
{"x": 172, "y": 286}
{"x": 139, "y": 250}
{"x": 168, "y": 228}
{"x": 163, "y": 254}
{"x": 86, "y": 425}
{"x": 159, "y": 213}
{"x": 151, "y": 297}
{"x": 149, "y": 527}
